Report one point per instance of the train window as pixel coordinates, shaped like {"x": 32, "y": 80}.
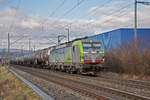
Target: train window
{"x": 96, "y": 45}
{"x": 90, "y": 46}
{"x": 87, "y": 44}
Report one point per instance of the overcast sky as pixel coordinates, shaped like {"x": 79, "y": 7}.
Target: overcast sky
{"x": 43, "y": 20}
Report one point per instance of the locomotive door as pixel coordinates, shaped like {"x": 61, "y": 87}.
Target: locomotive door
{"x": 75, "y": 54}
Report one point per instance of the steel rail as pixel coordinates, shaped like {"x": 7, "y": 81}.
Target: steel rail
{"x": 123, "y": 82}
{"x": 35, "y": 88}
{"x": 106, "y": 89}
{"x": 129, "y": 82}
{"x": 83, "y": 91}
{"x": 126, "y": 82}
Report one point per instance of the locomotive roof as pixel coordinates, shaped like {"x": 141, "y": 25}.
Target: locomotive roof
{"x": 84, "y": 39}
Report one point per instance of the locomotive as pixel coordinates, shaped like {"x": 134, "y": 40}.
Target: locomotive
{"x": 77, "y": 56}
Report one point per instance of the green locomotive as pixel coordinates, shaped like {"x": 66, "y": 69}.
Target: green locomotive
{"x": 80, "y": 56}
{"x": 77, "y": 56}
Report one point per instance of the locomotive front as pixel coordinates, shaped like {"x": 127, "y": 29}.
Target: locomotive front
{"x": 93, "y": 52}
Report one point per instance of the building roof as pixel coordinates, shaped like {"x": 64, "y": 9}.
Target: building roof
{"x": 115, "y": 37}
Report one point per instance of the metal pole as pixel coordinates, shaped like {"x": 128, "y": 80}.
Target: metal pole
{"x": 21, "y": 50}
{"x": 58, "y": 40}
{"x": 8, "y": 52}
{"x": 135, "y": 22}
{"x": 34, "y": 47}
{"x": 29, "y": 45}
{"x": 68, "y": 33}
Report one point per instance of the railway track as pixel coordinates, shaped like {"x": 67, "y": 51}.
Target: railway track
{"x": 125, "y": 82}
{"x": 124, "y": 85}
{"x": 83, "y": 91}
{"x": 129, "y": 83}
{"x": 139, "y": 83}
{"x": 35, "y": 88}
{"x": 86, "y": 88}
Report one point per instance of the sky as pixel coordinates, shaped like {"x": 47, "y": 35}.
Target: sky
{"x": 41, "y": 21}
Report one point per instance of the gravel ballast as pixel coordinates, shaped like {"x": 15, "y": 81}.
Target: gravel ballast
{"x": 56, "y": 91}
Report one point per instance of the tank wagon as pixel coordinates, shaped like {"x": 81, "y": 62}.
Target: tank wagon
{"x": 77, "y": 56}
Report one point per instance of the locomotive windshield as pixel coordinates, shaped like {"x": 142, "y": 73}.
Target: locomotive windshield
{"x": 91, "y": 46}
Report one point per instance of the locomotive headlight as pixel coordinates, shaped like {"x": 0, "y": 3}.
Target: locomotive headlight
{"x": 103, "y": 59}
{"x": 99, "y": 56}
{"x": 82, "y": 58}
{"x": 87, "y": 56}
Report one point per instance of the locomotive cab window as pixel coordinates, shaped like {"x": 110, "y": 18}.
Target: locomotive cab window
{"x": 87, "y": 46}
{"x": 91, "y": 46}
{"x": 97, "y": 46}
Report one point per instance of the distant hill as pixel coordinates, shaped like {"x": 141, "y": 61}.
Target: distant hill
{"x": 13, "y": 52}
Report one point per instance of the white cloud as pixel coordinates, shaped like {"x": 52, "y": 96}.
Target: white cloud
{"x": 119, "y": 14}
{"x": 30, "y": 24}
{"x": 37, "y": 27}
{"x": 97, "y": 10}
{"x": 40, "y": 30}
{"x": 108, "y": 9}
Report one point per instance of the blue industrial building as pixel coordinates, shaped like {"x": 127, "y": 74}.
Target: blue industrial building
{"x": 115, "y": 37}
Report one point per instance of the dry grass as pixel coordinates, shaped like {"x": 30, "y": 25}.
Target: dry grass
{"x": 130, "y": 58}
{"x": 12, "y": 88}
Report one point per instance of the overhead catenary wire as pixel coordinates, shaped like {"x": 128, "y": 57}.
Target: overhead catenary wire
{"x": 112, "y": 13}
{"x": 86, "y": 15}
{"x": 119, "y": 11}
{"x": 128, "y": 24}
{"x": 17, "y": 40}
{"x": 53, "y": 12}
{"x": 12, "y": 23}
{"x": 68, "y": 11}
{"x": 90, "y": 22}
{"x": 95, "y": 9}
{"x": 105, "y": 3}
{"x": 10, "y": 28}
{"x": 116, "y": 12}
{"x": 17, "y": 8}
{"x": 119, "y": 14}
{"x": 75, "y": 6}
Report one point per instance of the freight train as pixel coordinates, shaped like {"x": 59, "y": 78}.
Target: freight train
{"x": 77, "y": 56}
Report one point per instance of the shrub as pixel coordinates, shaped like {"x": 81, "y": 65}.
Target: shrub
{"x": 129, "y": 57}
